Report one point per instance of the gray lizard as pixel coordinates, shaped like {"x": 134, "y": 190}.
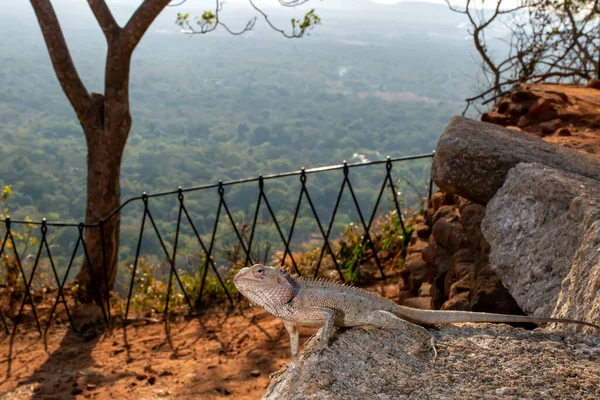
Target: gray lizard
{"x": 326, "y": 304}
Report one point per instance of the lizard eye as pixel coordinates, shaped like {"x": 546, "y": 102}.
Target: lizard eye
{"x": 258, "y": 272}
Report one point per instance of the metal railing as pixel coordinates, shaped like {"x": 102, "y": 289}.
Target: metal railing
{"x": 244, "y": 240}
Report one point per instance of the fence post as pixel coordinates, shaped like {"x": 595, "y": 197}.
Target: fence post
{"x": 430, "y": 179}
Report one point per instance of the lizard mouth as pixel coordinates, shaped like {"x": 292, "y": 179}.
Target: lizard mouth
{"x": 237, "y": 280}
{"x": 241, "y": 281}
{"x": 239, "y": 277}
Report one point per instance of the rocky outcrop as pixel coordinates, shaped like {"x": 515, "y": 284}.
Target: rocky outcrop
{"x": 580, "y": 294}
{"x": 563, "y": 114}
{"x": 474, "y": 361}
{"x": 472, "y": 158}
{"x": 535, "y": 224}
{"x": 447, "y": 265}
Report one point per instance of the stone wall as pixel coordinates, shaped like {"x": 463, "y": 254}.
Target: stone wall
{"x": 447, "y": 265}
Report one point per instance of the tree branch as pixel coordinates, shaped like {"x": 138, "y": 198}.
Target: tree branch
{"x": 61, "y": 59}
{"x": 140, "y": 21}
{"x": 210, "y": 21}
{"x": 105, "y": 19}
{"x": 299, "y": 28}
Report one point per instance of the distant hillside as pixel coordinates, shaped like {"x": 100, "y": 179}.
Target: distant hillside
{"x": 218, "y": 107}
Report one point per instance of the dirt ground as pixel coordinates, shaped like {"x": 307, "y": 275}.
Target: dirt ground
{"x": 213, "y": 356}
{"x": 209, "y": 357}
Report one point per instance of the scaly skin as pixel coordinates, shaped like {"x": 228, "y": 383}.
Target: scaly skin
{"x": 327, "y": 304}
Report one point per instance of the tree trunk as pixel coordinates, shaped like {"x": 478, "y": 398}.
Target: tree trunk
{"x": 106, "y": 122}
{"x": 106, "y": 142}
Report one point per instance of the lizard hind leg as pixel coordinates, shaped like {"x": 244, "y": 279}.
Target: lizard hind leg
{"x": 385, "y": 319}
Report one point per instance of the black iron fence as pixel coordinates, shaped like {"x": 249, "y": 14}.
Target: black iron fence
{"x": 24, "y": 242}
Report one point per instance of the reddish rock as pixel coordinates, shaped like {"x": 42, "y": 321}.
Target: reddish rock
{"x": 403, "y": 295}
{"x": 426, "y": 289}
{"x": 542, "y": 110}
{"x": 594, "y": 84}
{"x": 415, "y": 272}
{"x": 448, "y": 199}
{"x": 562, "y": 132}
{"x": 424, "y": 303}
{"x": 549, "y": 127}
{"x": 497, "y": 118}
{"x": 449, "y": 213}
{"x": 524, "y": 122}
{"x": 462, "y": 264}
{"x": 420, "y": 219}
{"x": 422, "y": 231}
{"x": 439, "y": 260}
{"x": 439, "y": 296}
{"x": 442, "y": 264}
{"x": 516, "y": 110}
{"x": 417, "y": 246}
{"x": 471, "y": 215}
{"x": 460, "y": 201}
{"x": 430, "y": 251}
{"x": 414, "y": 263}
{"x": 450, "y": 235}
{"x": 488, "y": 293}
{"x": 523, "y": 96}
{"x": 463, "y": 285}
{"x": 504, "y": 106}
{"x": 437, "y": 199}
{"x": 459, "y": 302}
{"x": 428, "y": 214}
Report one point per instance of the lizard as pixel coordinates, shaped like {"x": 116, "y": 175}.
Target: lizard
{"x": 325, "y": 304}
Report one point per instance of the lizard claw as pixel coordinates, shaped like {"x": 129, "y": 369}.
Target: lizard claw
{"x": 317, "y": 350}
{"x": 277, "y": 374}
{"x": 435, "y": 353}
{"x": 430, "y": 344}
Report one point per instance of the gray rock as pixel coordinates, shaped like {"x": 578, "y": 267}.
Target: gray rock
{"x": 472, "y": 158}
{"x": 580, "y": 294}
{"x": 534, "y": 226}
{"x": 475, "y": 361}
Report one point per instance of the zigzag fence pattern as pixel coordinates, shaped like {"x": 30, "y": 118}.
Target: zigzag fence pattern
{"x": 17, "y": 249}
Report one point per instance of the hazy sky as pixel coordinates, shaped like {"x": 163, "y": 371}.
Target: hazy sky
{"x": 327, "y": 4}
{"x": 488, "y": 3}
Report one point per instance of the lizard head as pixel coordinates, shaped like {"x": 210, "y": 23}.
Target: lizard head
{"x": 264, "y": 286}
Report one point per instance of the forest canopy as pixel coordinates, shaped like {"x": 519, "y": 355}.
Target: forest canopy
{"x": 221, "y": 107}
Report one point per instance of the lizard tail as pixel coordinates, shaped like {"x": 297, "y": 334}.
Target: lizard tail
{"x": 421, "y": 317}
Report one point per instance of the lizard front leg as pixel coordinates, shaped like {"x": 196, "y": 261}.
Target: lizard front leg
{"x": 326, "y": 317}
{"x": 294, "y": 336}
{"x": 294, "y": 339}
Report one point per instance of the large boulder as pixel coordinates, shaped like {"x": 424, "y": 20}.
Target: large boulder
{"x": 580, "y": 294}
{"x": 474, "y": 362}
{"x": 472, "y": 158}
{"x": 535, "y": 225}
